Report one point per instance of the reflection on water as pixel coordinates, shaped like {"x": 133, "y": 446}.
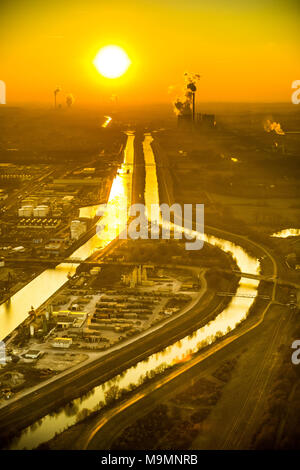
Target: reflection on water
{"x": 288, "y": 232}
{"x": 131, "y": 378}
{"x": 107, "y": 121}
{"x": 151, "y": 184}
{"x": 114, "y": 213}
{"x": 35, "y": 293}
{"x": 14, "y": 311}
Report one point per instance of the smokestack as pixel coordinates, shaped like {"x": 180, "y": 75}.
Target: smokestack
{"x": 57, "y": 90}
{"x": 191, "y": 87}
{"x": 185, "y": 106}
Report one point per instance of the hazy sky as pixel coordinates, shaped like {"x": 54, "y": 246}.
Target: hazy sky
{"x": 244, "y": 50}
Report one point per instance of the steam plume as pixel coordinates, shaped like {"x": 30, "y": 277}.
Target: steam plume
{"x": 270, "y": 126}
{"x": 69, "y": 100}
{"x": 184, "y": 105}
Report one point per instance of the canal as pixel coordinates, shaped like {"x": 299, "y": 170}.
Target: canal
{"x": 35, "y": 293}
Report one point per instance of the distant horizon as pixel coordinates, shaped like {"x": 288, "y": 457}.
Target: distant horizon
{"x": 242, "y": 52}
{"x": 76, "y": 106}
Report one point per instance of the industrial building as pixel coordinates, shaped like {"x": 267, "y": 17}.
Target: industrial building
{"x": 55, "y": 248}
{"x": 205, "y": 120}
{"x": 62, "y": 343}
{"x": 138, "y": 276}
{"x": 200, "y": 121}
{"x": 68, "y": 319}
{"x": 184, "y": 121}
{"x": 78, "y": 182}
{"x": 32, "y": 354}
{"x": 29, "y": 210}
{"x": 41, "y": 211}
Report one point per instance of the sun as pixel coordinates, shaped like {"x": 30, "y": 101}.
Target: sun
{"x": 112, "y": 61}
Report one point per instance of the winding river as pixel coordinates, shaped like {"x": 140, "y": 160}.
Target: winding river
{"x": 237, "y": 310}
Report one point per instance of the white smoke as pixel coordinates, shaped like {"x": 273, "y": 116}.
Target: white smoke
{"x": 184, "y": 105}
{"x": 272, "y": 126}
{"x": 69, "y": 100}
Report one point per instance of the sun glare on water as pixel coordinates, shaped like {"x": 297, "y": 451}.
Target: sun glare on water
{"x": 112, "y": 61}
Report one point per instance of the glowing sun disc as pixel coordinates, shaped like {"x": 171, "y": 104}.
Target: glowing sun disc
{"x": 112, "y": 61}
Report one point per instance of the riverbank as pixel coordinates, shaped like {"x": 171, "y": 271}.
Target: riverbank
{"x": 243, "y": 308}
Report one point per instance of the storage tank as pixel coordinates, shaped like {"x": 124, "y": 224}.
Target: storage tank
{"x": 41, "y": 211}
{"x": 44, "y": 210}
{"x": 26, "y": 211}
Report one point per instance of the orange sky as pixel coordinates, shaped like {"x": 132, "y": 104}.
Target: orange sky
{"x": 243, "y": 52}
